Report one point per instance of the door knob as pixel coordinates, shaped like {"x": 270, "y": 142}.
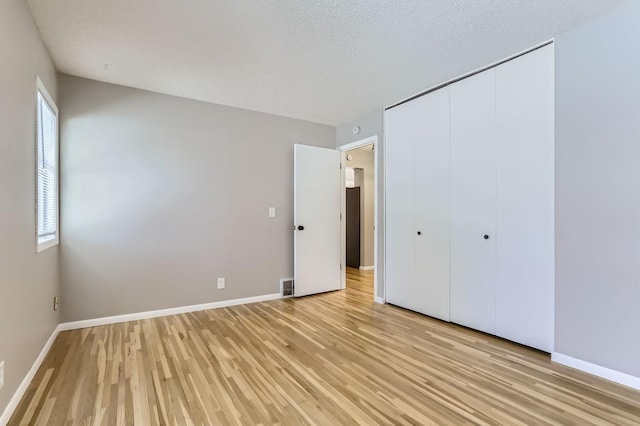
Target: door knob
{"x": 419, "y": 232}
{"x": 300, "y": 228}
{"x": 486, "y": 237}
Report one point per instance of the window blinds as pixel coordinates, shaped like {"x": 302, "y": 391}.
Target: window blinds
{"x": 47, "y": 190}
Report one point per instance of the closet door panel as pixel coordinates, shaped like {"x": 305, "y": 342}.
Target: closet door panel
{"x": 432, "y": 213}
{"x": 473, "y": 201}
{"x": 399, "y": 213}
{"x": 525, "y": 214}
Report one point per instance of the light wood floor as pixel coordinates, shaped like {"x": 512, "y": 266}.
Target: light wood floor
{"x": 336, "y": 359}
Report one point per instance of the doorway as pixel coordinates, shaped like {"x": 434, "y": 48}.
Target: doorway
{"x": 359, "y": 210}
{"x": 320, "y": 238}
{"x": 354, "y": 223}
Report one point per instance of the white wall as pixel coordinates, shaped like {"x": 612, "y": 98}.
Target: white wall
{"x": 163, "y": 195}
{"x": 598, "y": 192}
{"x": 28, "y": 281}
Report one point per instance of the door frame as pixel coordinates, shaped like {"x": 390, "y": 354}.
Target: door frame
{"x": 373, "y": 140}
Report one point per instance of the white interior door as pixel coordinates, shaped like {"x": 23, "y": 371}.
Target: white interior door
{"x": 417, "y": 204}
{"x": 525, "y": 217}
{"x": 317, "y": 193}
{"x": 432, "y": 214}
{"x": 399, "y": 205}
{"x": 473, "y": 202}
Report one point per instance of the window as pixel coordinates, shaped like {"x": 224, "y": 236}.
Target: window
{"x": 47, "y": 170}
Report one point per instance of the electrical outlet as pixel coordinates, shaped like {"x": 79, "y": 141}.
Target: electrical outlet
{"x": 221, "y": 283}
{"x": 1, "y": 374}
{"x": 56, "y": 303}
{"x": 272, "y": 212}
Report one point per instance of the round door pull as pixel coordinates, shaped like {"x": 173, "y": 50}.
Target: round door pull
{"x": 419, "y": 232}
{"x": 486, "y": 237}
{"x": 300, "y": 228}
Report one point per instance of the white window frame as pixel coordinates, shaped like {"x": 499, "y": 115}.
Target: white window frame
{"x": 50, "y": 242}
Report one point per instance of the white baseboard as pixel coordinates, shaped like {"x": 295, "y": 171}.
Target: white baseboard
{"x": 367, "y": 268}
{"x": 380, "y": 300}
{"x": 596, "y": 370}
{"x": 165, "y": 312}
{"x": 22, "y": 389}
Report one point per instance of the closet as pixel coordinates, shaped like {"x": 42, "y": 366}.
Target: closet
{"x": 470, "y": 201}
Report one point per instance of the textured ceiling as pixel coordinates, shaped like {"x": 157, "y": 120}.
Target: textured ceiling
{"x": 328, "y": 61}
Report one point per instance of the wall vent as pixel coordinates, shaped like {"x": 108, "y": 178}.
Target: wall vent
{"x": 286, "y": 287}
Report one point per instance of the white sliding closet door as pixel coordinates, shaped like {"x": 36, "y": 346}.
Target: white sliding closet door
{"x": 473, "y": 201}
{"x": 399, "y": 215}
{"x": 417, "y": 200}
{"x": 525, "y": 216}
{"x": 470, "y": 201}
{"x": 431, "y": 194}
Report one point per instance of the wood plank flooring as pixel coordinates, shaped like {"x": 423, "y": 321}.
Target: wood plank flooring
{"x": 335, "y": 359}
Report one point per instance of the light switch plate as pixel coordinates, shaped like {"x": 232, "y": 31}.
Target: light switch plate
{"x": 1, "y": 374}
{"x": 221, "y": 283}
{"x": 272, "y": 212}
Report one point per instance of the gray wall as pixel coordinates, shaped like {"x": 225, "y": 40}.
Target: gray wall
{"x": 163, "y": 195}
{"x": 598, "y": 192}
{"x": 370, "y": 125}
{"x": 363, "y": 158}
{"x": 28, "y": 281}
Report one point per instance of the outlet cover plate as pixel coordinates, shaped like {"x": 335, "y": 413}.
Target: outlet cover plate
{"x": 221, "y": 283}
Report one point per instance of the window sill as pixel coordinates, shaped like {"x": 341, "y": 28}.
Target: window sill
{"x": 46, "y": 243}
